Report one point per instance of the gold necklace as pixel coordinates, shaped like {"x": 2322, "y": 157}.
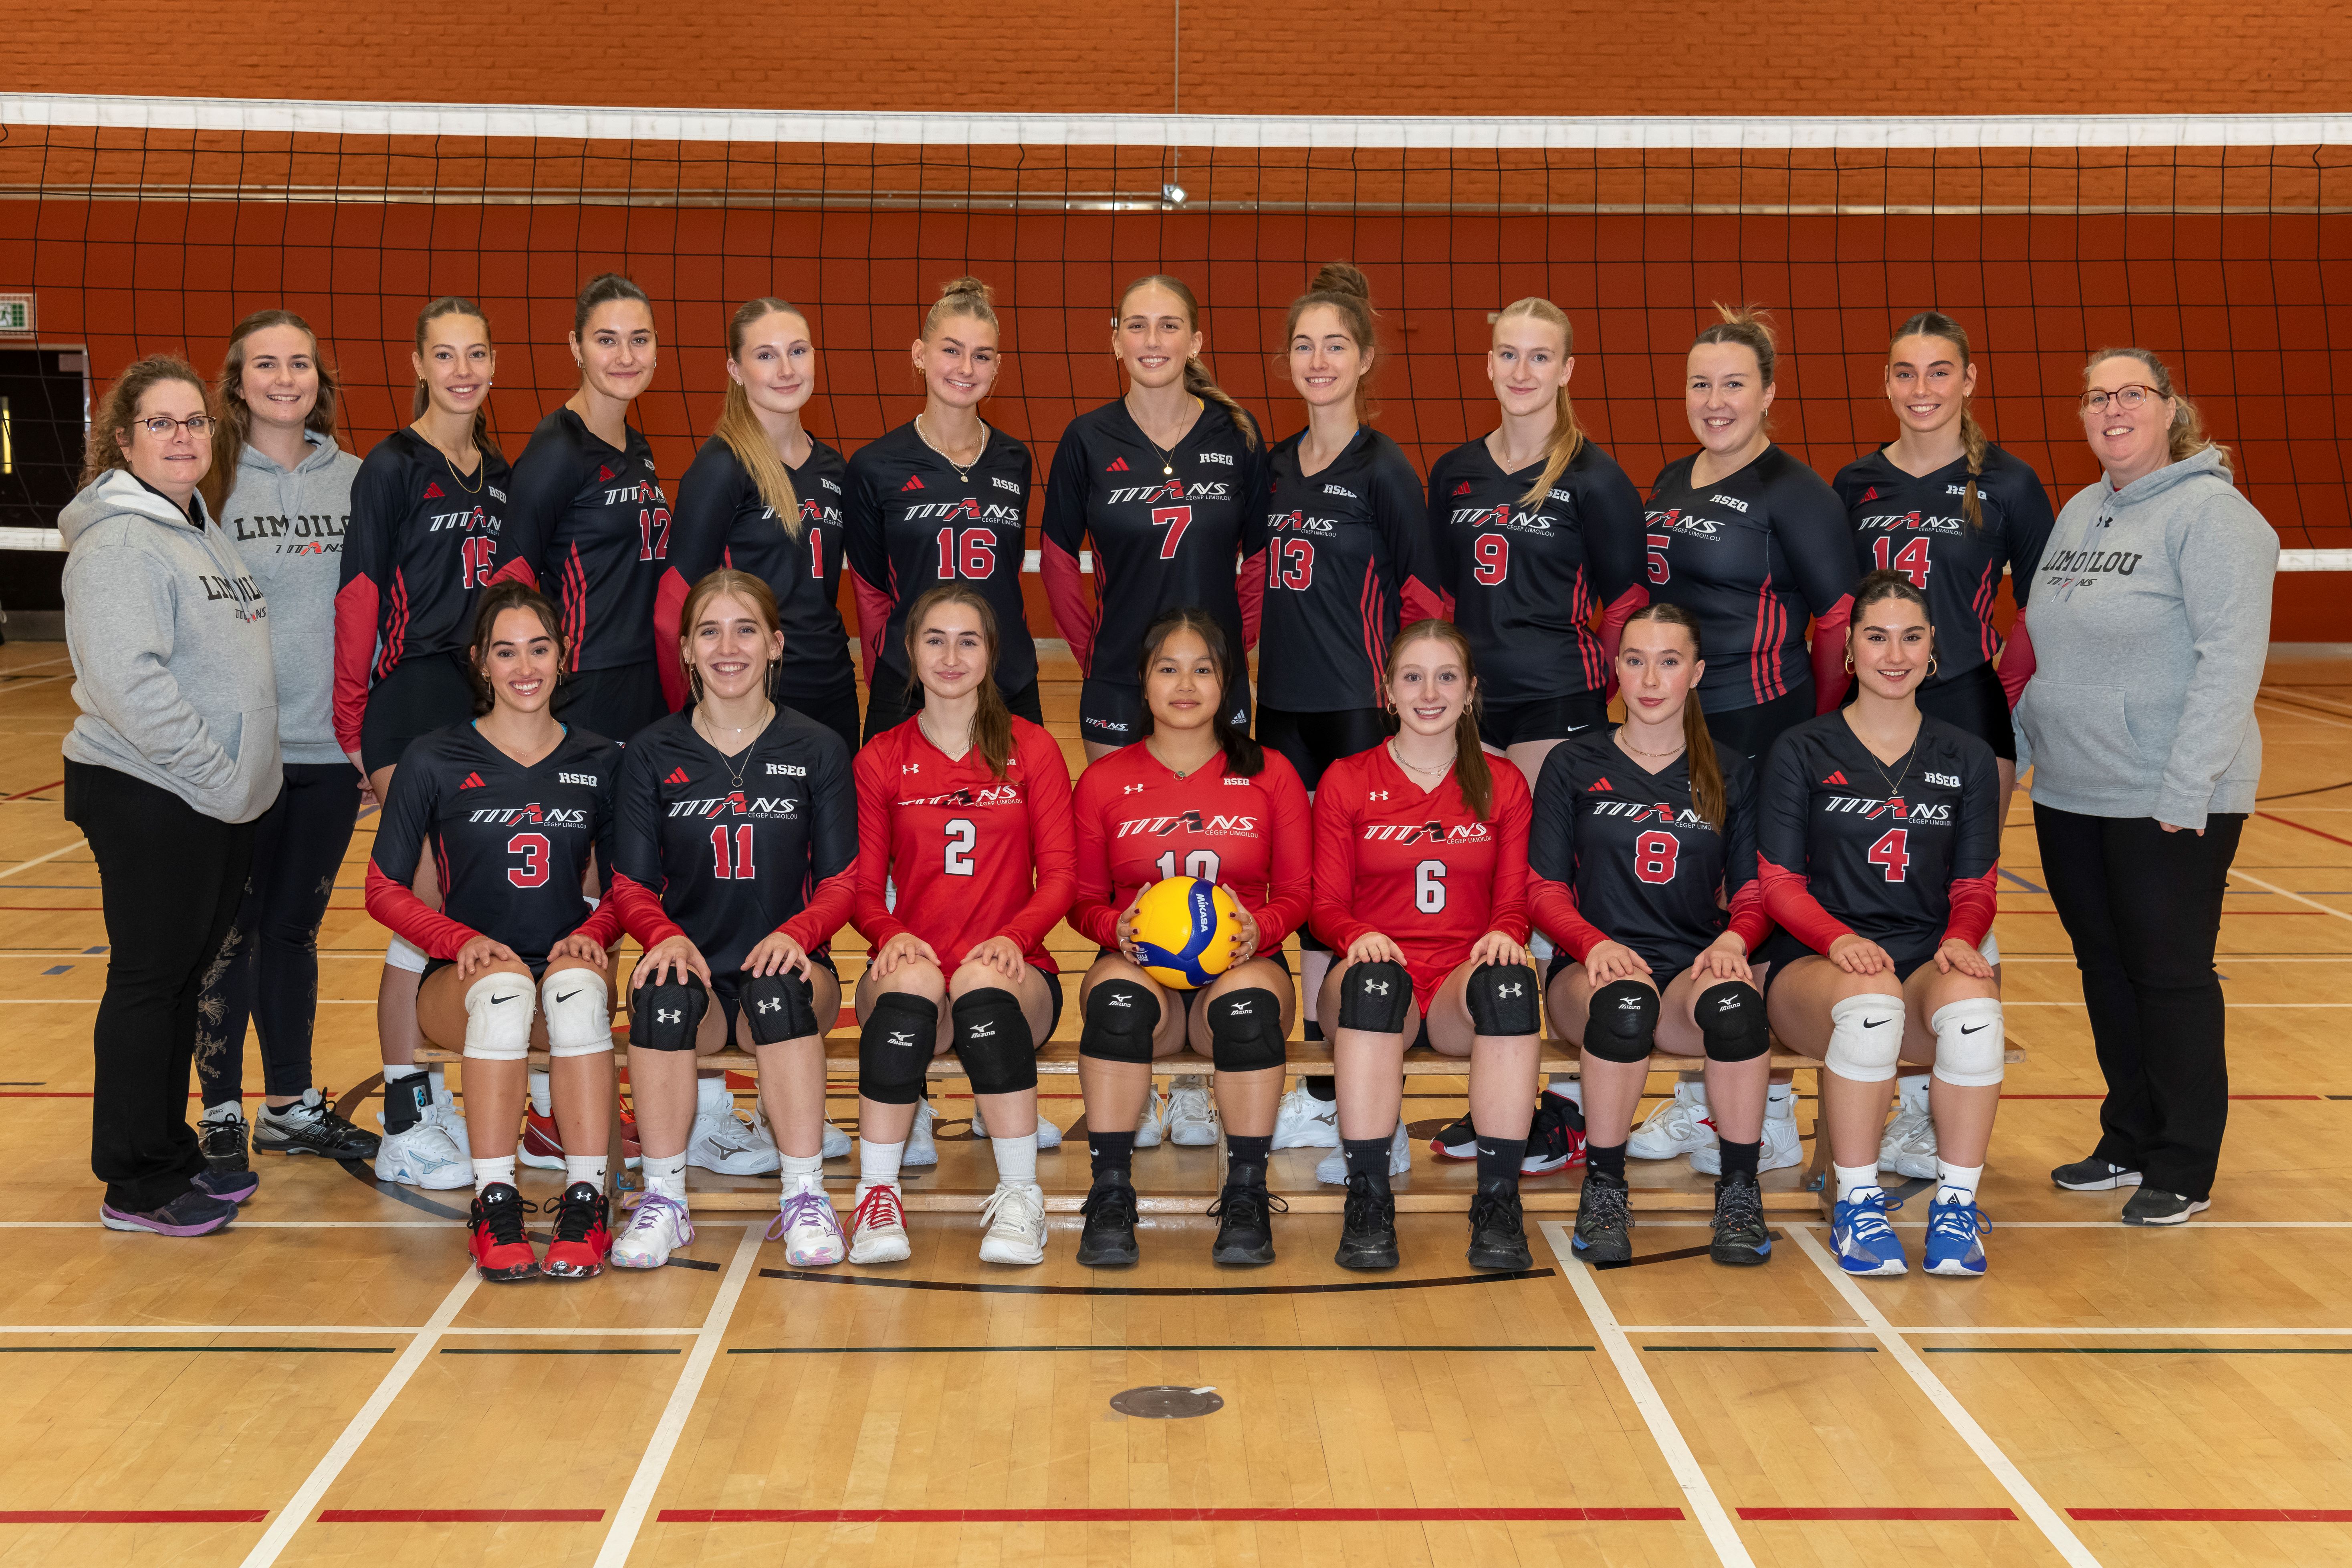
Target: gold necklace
{"x": 964, "y": 470}
{"x": 1398, "y": 758}
{"x": 1625, "y": 745}
{"x": 1167, "y": 454}
{"x": 480, "y": 477}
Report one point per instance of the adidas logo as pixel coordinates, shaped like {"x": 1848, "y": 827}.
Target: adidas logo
{"x": 473, "y": 781}
{"x": 604, "y": 473}
{"x": 1463, "y": 488}
{"x": 432, "y": 490}
{"x": 677, "y": 777}
{"x": 1117, "y": 465}
{"x": 1838, "y": 777}
{"x": 1871, "y": 494}
{"x": 1604, "y": 785}
{"x": 914, "y": 482}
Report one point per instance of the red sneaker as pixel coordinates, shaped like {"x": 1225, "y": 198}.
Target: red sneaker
{"x": 584, "y": 1235}
{"x": 1555, "y": 1139}
{"x": 542, "y": 1146}
{"x": 495, "y": 1235}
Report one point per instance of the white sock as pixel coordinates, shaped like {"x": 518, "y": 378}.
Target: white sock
{"x": 1958, "y": 1180}
{"x": 440, "y": 1077}
{"x": 1569, "y": 1089}
{"x": 394, "y": 1071}
{"x": 803, "y": 1168}
{"x": 1852, "y": 1179}
{"x": 542, "y": 1093}
{"x": 501, "y": 1169}
{"x": 1912, "y": 1092}
{"x": 667, "y": 1176}
{"x": 1781, "y": 1101}
{"x": 878, "y": 1163}
{"x": 588, "y": 1168}
{"x": 222, "y": 1112}
{"x": 1016, "y": 1158}
{"x": 712, "y": 1096}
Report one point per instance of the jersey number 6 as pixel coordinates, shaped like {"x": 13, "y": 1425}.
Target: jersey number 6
{"x": 1429, "y": 887}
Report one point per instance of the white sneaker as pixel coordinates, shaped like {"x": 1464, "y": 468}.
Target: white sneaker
{"x": 1332, "y": 1169}
{"x": 658, "y": 1225}
{"x": 1305, "y": 1123}
{"x": 1016, "y": 1224}
{"x": 724, "y": 1143}
{"x": 837, "y": 1143}
{"x": 1153, "y": 1126}
{"x": 809, "y": 1229}
{"x": 920, "y": 1148}
{"x": 424, "y": 1157}
{"x": 1908, "y": 1147}
{"x": 1676, "y": 1127}
{"x": 878, "y": 1230}
{"x": 835, "y": 1146}
{"x": 1048, "y": 1135}
{"x": 1192, "y": 1114}
{"x": 1781, "y": 1147}
{"x": 446, "y": 1111}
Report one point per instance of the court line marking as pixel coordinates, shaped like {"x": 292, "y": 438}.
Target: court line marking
{"x": 44, "y": 859}
{"x": 2087, "y": 1330}
{"x": 2281, "y": 704}
{"x": 2012, "y": 1480}
{"x": 2257, "y": 881}
{"x": 1705, "y": 1506}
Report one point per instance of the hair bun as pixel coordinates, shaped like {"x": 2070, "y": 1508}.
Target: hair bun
{"x": 1755, "y": 316}
{"x": 971, "y": 288}
{"x": 1342, "y": 278}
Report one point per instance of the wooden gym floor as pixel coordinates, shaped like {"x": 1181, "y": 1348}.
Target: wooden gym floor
{"x": 326, "y": 1382}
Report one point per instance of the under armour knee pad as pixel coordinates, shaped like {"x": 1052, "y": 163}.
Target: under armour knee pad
{"x": 406, "y": 955}
{"x": 1121, "y": 1017}
{"x": 1971, "y": 1047}
{"x": 992, "y": 1036}
{"x": 498, "y": 1017}
{"x": 1504, "y": 1000}
{"x": 895, "y": 1047}
{"x": 1622, "y": 1023}
{"x": 578, "y": 1017}
{"x": 779, "y": 1007}
{"x": 1731, "y": 1021}
{"x": 667, "y": 1015}
{"x": 1245, "y": 1030}
{"x": 1373, "y": 997}
{"x": 1865, "y": 1038}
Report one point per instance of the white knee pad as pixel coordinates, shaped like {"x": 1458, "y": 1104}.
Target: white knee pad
{"x": 1865, "y": 1038}
{"x": 1991, "y": 948}
{"x": 498, "y": 1017}
{"x": 579, "y": 1021}
{"x": 401, "y": 954}
{"x": 1971, "y": 1050}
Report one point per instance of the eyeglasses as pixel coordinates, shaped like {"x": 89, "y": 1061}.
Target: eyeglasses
{"x": 161, "y": 426}
{"x": 2130, "y": 397}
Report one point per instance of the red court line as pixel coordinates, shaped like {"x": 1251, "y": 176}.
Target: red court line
{"x": 1784, "y": 1514}
{"x": 2286, "y": 822}
{"x": 133, "y": 1516}
{"x": 461, "y": 1516}
{"x": 2102, "y": 1097}
{"x": 1152, "y": 1515}
{"x": 34, "y": 790}
{"x": 2211, "y": 1515}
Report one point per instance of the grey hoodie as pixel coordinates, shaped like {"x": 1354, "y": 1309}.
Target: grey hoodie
{"x": 289, "y": 527}
{"x": 2151, "y": 616}
{"x": 169, "y": 642}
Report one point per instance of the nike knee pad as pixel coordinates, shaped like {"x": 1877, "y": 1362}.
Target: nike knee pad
{"x": 402, "y": 954}
{"x": 579, "y": 1020}
{"x": 667, "y": 1015}
{"x": 1245, "y": 1030}
{"x": 1971, "y": 1049}
{"x": 498, "y": 1017}
{"x": 1622, "y": 1026}
{"x": 1503, "y": 1000}
{"x": 1865, "y": 1038}
{"x": 992, "y": 1036}
{"x": 1372, "y": 998}
{"x": 1731, "y": 1022}
{"x": 1121, "y": 1017}
{"x": 895, "y": 1047}
{"x": 779, "y": 1007}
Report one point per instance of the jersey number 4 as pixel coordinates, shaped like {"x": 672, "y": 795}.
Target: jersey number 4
{"x": 1890, "y": 855}
{"x": 1290, "y": 563}
{"x": 973, "y": 554}
{"x": 741, "y": 869}
{"x": 1911, "y": 560}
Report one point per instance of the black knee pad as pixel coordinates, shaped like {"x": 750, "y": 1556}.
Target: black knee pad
{"x": 895, "y": 1047}
{"x": 779, "y": 1007}
{"x": 1731, "y": 1021}
{"x": 1504, "y": 1000}
{"x": 1373, "y": 997}
{"x": 667, "y": 1015}
{"x": 1000, "y": 1054}
{"x": 1120, "y": 1019}
{"x": 1245, "y": 1030}
{"x": 1622, "y": 1026}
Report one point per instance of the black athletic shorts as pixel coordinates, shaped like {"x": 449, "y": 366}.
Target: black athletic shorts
{"x": 889, "y": 704}
{"x": 1660, "y": 976}
{"x": 1783, "y": 948}
{"x": 1111, "y": 714}
{"x": 1505, "y": 724}
{"x": 1751, "y": 732}
{"x": 1187, "y": 997}
{"x": 1313, "y": 741}
{"x": 835, "y": 707}
{"x": 421, "y": 695}
{"x": 614, "y": 704}
{"x": 1974, "y": 702}
{"x": 538, "y": 967}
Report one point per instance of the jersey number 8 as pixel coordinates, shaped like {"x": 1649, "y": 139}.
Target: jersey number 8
{"x": 1653, "y": 857}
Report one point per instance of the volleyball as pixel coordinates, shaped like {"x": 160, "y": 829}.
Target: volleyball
{"x": 1185, "y": 929}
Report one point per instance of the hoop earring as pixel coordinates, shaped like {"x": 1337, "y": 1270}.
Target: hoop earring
{"x": 1931, "y": 667}
{"x": 1849, "y": 664}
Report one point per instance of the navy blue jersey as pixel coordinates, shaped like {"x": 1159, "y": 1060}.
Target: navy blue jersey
{"x": 589, "y": 526}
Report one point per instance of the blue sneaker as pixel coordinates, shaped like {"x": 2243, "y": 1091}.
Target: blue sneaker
{"x": 1865, "y": 1243}
{"x": 1956, "y": 1228}
{"x": 228, "y": 1186}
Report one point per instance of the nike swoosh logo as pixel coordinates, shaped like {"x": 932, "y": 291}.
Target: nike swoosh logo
{"x": 1881, "y": 1022}
{"x": 567, "y": 996}
{"x": 1980, "y": 1029}
{"x": 497, "y": 1000}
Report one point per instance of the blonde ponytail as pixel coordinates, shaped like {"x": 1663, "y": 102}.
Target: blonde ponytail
{"x": 741, "y": 430}
{"x": 1567, "y": 434}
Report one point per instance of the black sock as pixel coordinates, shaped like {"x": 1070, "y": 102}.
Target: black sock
{"x": 1498, "y": 1162}
{"x": 1605, "y": 1160}
{"x": 406, "y": 1099}
{"x": 1311, "y": 1029}
{"x": 1369, "y": 1157}
{"x": 1246, "y": 1159}
{"x": 1738, "y": 1159}
{"x": 1110, "y": 1151}
{"x": 1324, "y": 1087}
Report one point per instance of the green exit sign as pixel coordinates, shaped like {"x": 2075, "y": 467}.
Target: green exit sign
{"x": 15, "y": 315}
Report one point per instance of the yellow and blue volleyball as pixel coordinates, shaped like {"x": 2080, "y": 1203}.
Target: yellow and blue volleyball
{"x": 1184, "y": 932}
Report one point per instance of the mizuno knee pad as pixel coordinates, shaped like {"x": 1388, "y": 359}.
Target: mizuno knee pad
{"x": 779, "y": 1007}
{"x": 1245, "y": 1030}
{"x": 992, "y": 1036}
{"x": 1865, "y": 1038}
{"x": 895, "y": 1047}
{"x": 1971, "y": 1049}
{"x": 1731, "y": 1021}
{"x": 1504, "y": 1001}
{"x": 1621, "y": 1024}
{"x": 667, "y": 1015}
{"x": 578, "y": 1017}
{"x": 498, "y": 1017}
{"x": 1373, "y": 997}
{"x": 1121, "y": 1017}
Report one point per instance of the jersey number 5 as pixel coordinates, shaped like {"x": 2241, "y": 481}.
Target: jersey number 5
{"x": 1659, "y": 571}
{"x": 1889, "y": 854}
{"x": 1653, "y": 857}
{"x": 1290, "y": 564}
{"x": 1912, "y": 560}
{"x": 972, "y": 555}
{"x": 1494, "y": 553}
{"x": 961, "y": 837}
{"x": 536, "y": 853}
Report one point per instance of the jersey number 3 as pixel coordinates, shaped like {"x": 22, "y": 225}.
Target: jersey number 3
{"x": 536, "y": 853}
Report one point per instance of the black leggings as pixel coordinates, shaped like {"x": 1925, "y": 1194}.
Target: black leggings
{"x": 268, "y": 965}
{"x": 2142, "y": 908}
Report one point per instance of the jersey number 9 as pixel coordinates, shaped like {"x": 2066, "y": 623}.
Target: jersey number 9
{"x": 1429, "y": 887}
{"x": 1494, "y": 553}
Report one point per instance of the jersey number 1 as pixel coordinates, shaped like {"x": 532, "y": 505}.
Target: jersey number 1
{"x": 741, "y": 870}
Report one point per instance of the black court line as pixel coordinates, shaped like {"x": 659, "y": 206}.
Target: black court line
{"x": 2289, "y": 794}
{"x": 692, "y": 1263}
{"x": 195, "y": 1350}
{"x": 1130, "y": 1349}
{"x": 1775, "y": 1349}
{"x": 1676, "y": 1256}
{"x": 494, "y": 1350}
{"x": 1498, "y": 1278}
{"x": 2124, "y": 1350}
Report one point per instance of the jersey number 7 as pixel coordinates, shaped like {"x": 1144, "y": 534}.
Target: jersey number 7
{"x": 1175, "y": 519}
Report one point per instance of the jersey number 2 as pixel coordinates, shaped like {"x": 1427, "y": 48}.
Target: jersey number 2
{"x": 741, "y": 869}
{"x": 961, "y": 837}
{"x": 1653, "y": 857}
{"x": 1912, "y": 560}
{"x": 1888, "y": 853}
{"x": 536, "y": 853}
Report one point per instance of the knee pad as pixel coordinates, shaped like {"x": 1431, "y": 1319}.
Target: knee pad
{"x": 1245, "y": 1030}
{"x": 1503, "y": 1000}
{"x": 1120, "y": 1019}
{"x": 579, "y": 1016}
{"x": 1621, "y": 1024}
{"x": 1865, "y": 1038}
{"x": 992, "y": 1037}
{"x": 402, "y": 954}
{"x": 667, "y": 1015}
{"x": 1991, "y": 948}
{"x": 895, "y": 1047}
{"x": 498, "y": 1017}
{"x": 1373, "y": 997}
{"x": 1971, "y": 1049}
{"x": 779, "y": 1007}
{"x": 1731, "y": 1021}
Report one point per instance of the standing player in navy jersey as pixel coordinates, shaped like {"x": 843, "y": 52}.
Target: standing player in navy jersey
{"x": 1421, "y": 862}
{"x": 733, "y": 863}
{"x": 1878, "y": 843}
{"x": 424, "y": 538}
{"x": 942, "y": 498}
{"x": 1161, "y": 482}
{"x": 1195, "y": 797}
{"x": 516, "y": 810}
{"x": 963, "y": 811}
{"x": 1642, "y": 858}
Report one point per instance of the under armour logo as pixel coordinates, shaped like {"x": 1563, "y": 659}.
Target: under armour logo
{"x": 1379, "y": 987}
{"x": 1376, "y": 795}
{"x": 770, "y": 1004}
{"x": 910, "y": 767}
{"x": 668, "y": 1015}
{"x": 1130, "y": 789}
{"x": 1514, "y": 989}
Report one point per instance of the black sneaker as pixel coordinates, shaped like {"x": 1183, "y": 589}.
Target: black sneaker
{"x": 1459, "y": 1141}
{"x": 1107, "y": 1240}
{"x": 1499, "y": 1230}
{"x": 193, "y": 1213}
{"x": 1555, "y": 1138}
{"x": 2153, "y": 1205}
{"x": 1244, "y": 1215}
{"x": 223, "y": 1141}
{"x": 1604, "y": 1221}
{"x": 308, "y": 1127}
{"x": 1368, "y": 1237}
{"x": 229, "y": 1186}
{"x": 1741, "y": 1237}
{"x": 2094, "y": 1176}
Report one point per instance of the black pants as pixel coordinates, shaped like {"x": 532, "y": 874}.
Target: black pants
{"x": 889, "y": 704}
{"x": 267, "y": 969}
{"x": 2142, "y": 908}
{"x": 170, "y": 878}
{"x": 1751, "y": 731}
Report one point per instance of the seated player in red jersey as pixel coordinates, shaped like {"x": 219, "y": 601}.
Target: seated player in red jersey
{"x": 1643, "y": 868}
{"x": 517, "y": 812}
{"x": 966, "y": 858}
{"x": 1876, "y": 844}
{"x": 733, "y": 864}
{"x": 1420, "y": 868}
{"x": 1196, "y": 797}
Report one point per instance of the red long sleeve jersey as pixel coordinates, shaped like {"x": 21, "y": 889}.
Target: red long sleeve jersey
{"x": 588, "y": 527}
{"x": 1138, "y": 824}
{"x": 971, "y": 856}
{"x": 1418, "y": 867}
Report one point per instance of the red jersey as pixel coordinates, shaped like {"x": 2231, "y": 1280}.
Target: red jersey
{"x": 971, "y": 856}
{"x": 1139, "y": 824}
{"x": 1417, "y": 865}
